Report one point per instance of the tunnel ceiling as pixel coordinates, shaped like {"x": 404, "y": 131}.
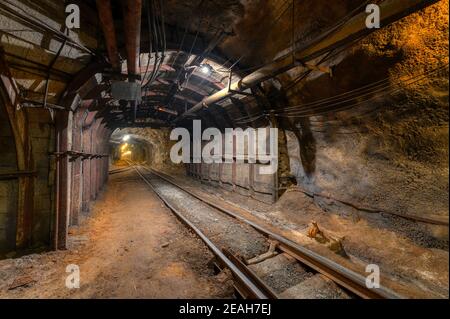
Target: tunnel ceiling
{"x": 51, "y": 63}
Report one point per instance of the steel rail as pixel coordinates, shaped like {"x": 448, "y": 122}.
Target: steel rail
{"x": 119, "y": 170}
{"x": 252, "y": 290}
{"x": 243, "y": 267}
{"x": 342, "y": 276}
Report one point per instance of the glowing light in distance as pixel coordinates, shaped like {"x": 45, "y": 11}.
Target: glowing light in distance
{"x": 126, "y": 138}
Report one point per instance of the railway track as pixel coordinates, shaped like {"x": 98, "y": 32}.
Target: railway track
{"x": 119, "y": 170}
{"x": 264, "y": 264}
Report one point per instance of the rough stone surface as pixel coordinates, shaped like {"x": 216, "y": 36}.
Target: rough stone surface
{"x": 390, "y": 153}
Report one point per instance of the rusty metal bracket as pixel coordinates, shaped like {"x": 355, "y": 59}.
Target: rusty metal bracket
{"x": 74, "y": 155}
{"x": 85, "y": 157}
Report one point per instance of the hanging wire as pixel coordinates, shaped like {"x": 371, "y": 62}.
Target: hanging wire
{"x": 319, "y": 106}
{"x": 150, "y": 41}
{"x": 157, "y": 28}
{"x": 181, "y": 46}
{"x": 373, "y": 89}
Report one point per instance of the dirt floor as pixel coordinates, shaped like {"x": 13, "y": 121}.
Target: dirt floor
{"x": 130, "y": 247}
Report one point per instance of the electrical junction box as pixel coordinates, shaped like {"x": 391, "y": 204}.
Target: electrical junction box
{"x": 129, "y": 91}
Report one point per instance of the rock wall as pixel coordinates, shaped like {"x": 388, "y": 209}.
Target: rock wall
{"x": 389, "y": 152}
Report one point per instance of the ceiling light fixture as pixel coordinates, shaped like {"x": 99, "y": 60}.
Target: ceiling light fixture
{"x": 206, "y": 69}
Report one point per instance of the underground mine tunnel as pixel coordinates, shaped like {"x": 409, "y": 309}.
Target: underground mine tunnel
{"x": 200, "y": 149}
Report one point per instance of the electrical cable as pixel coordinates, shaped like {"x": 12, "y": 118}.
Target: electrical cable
{"x": 367, "y": 89}
{"x": 319, "y": 107}
{"x": 160, "y": 41}
{"x": 326, "y": 108}
{"x": 150, "y": 52}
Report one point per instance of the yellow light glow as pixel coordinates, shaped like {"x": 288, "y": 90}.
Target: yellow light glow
{"x": 126, "y": 153}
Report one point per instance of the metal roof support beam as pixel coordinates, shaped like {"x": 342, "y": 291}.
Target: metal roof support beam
{"x": 355, "y": 28}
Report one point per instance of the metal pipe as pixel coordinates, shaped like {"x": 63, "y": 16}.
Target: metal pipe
{"x": 354, "y": 28}
{"x": 166, "y": 110}
{"x": 132, "y": 26}
{"x": 107, "y": 23}
{"x": 132, "y": 10}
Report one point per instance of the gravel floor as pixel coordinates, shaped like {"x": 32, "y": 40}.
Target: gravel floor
{"x": 224, "y": 231}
